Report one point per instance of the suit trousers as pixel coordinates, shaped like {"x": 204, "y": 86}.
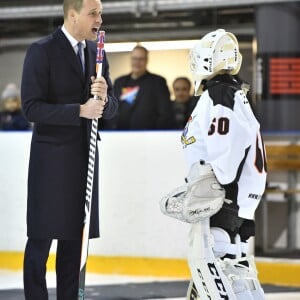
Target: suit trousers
{"x": 67, "y": 269}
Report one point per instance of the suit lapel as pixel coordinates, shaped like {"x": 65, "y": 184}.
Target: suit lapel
{"x": 68, "y": 52}
{"x": 90, "y": 59}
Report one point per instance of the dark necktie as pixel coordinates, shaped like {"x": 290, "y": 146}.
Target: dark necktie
{"x": 80, "y": 55}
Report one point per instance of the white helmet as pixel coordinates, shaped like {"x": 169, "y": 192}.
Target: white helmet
{"x": 216, "y": 51}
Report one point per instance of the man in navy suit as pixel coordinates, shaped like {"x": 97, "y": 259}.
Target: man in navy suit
{"x": 57, "y": 96}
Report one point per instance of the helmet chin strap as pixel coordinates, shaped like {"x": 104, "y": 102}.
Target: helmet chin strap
{"x": 198, "y": 88}
{"x": 199, "y": 83}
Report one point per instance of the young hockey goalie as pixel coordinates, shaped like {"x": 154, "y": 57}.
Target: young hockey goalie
{"x": 227, "y": 175}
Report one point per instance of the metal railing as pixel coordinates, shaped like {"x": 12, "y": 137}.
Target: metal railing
{"x": 136, "y": 7}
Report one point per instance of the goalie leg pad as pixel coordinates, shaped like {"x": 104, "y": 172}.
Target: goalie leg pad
{"x": 216, "y": 278}
{"x": 241, "y": 271}
{"x": 239, "y": 284}
{"x": 244, "y": 269}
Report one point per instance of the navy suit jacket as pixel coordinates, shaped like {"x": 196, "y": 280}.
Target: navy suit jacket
{"x": 53, "y": 87}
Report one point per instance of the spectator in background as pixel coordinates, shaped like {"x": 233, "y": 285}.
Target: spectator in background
{"x": 11, "y": 116}
{"x": 144, "y": 98}
{"x": 184, "y": 102}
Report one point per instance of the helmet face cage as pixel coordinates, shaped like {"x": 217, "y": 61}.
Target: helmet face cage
{"x": 216, "y": 51}
{"x": 201, "y": 62}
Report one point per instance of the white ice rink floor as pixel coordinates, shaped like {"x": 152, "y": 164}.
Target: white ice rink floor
{"x": 13, "y": 280}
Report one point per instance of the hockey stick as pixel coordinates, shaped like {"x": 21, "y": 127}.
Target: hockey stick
{"x": 90, "y": 177}
{"x": 192, "y": 293}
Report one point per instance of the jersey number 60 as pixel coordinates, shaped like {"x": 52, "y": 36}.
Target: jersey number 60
{"x": 222, "y": 126}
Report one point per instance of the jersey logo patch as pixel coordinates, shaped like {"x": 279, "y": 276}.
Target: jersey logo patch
{"x": 129, "y": 94}
{"x": 185, "y": 140}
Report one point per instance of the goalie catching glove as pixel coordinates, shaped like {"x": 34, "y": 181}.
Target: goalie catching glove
{"x": 197, "y": 200}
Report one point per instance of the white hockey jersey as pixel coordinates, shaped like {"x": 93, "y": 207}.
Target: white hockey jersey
{"x": 224, "y": 132}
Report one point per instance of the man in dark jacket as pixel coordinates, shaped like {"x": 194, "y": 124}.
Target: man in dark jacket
{"x": 56, "y": 96}
{"x": 144, "y": 98}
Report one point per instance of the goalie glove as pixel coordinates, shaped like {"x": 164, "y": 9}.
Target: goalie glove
{"x": 199, "y": 199}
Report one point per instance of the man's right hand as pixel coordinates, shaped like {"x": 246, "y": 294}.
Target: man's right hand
{"x": 92, "y": 109}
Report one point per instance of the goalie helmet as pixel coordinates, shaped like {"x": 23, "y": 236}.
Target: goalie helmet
{"x": 216, "y": 51}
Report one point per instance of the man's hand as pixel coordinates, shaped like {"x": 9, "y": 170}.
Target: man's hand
{"x": 99, "y": 88}
{"x": 92, "y": 109}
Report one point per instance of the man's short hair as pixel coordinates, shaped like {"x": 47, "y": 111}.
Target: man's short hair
{"x": 184, "y": 79}
{"x": 68, "y": 4}
{"x": 139, "y": 47}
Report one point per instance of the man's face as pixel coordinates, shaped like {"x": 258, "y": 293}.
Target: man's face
{"x": 181, "y": 91}
{"x": 138, "y": 61}
{"x": 88, "y": 20}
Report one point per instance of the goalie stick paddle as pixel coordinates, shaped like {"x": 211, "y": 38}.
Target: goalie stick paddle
{"x": 90, "y": 177}
{"x": 209, "y": 279}
{"x": 192, "y": 293}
